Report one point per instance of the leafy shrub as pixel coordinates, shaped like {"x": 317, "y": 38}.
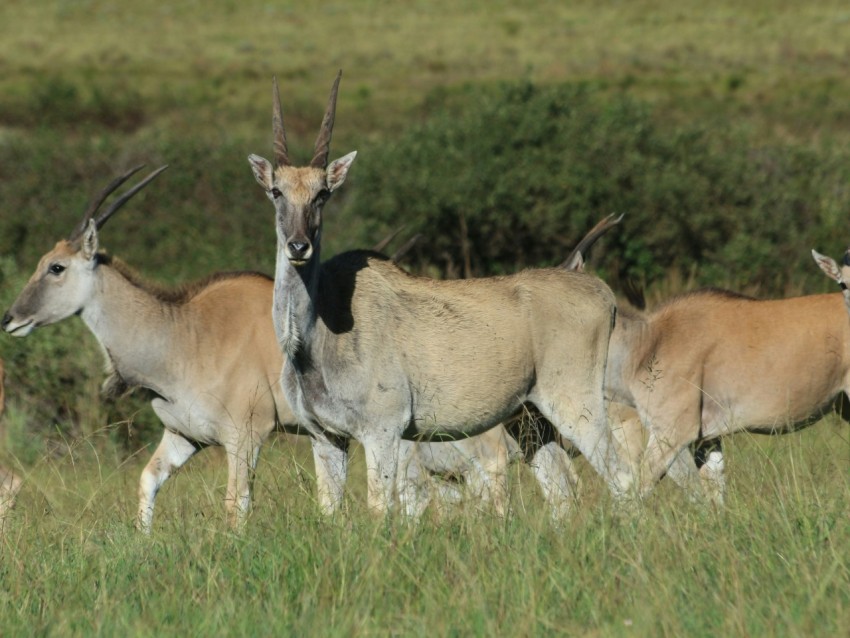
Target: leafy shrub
{"x": 64, "y": 101}
{"x": 502, "y": 177}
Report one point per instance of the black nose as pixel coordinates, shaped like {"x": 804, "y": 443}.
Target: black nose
{"x": 298, "y": 248}
{"x": 6, "y": 319}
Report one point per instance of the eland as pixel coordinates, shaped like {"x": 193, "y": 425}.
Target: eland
{"x": 710, "y": 363}
{"x": 375, "y": 354}
{"x": 207, "y": 351}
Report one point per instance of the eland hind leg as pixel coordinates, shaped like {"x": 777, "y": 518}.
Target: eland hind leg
{"x": 557, "y": 478}
{"x": 712, "y": 469}
{"x": 414, "y": 493}
{"x": 486, "y": 458}
{"x": 241, "y": 465}
{"x": 582, "y": 420}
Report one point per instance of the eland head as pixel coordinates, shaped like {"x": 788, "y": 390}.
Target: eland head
{"x": 64, "y": 278}
{"x": 300, "y": 193}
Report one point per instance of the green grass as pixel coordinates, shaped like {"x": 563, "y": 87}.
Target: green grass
{"x": 776, "y": 561}
{"x": 90, "y": 88}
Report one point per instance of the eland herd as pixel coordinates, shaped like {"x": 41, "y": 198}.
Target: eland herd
{"x": 434, "y": 377}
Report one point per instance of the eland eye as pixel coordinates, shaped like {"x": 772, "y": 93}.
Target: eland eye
{"x": 56, "y": 269}
{"x": 276, "y": 192}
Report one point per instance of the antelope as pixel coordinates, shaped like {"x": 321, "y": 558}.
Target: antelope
{"x": 375, "y": 354}
{"x": 709, "y": 363}
{"x": 208, "y": 351}
{"x": 10, "y": 483}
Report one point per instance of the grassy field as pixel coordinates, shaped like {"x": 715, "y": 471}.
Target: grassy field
{"x": 775, "y": 562}
{"x": 89, "y": 88}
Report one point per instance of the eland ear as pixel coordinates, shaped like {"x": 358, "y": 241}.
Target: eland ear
{"x": 338, "y": 169}
{"x": 828, "y": 266}
{"x": 90, "y": 241}
{"x": 262, "y": 171}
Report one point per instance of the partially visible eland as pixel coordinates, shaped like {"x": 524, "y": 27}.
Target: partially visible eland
{"x": 713, "y": 362}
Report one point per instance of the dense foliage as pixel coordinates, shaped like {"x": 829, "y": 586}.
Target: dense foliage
{"x": 508, "y": 176}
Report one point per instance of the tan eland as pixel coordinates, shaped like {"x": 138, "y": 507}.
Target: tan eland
{"x": 208, "y": 351}
{"x": 709, "y": 363}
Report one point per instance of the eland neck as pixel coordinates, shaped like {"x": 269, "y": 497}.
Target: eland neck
{"x": 295, "y": 302}
{"x": 134, "y": 328}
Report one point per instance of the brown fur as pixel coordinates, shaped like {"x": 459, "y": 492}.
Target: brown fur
{"x": 177, "y": 295}
{"x": 710, "y": 363}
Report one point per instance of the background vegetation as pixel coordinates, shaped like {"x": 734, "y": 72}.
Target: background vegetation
{"x": 501, "y": 132}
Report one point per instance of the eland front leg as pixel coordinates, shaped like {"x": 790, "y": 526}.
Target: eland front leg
{"x": 10, "y": 484}
{"x": 172, "y": 453}
{"x": 241, "y": 464}
{"x": 330, "y": 456}
{"x": 381, "y": 452}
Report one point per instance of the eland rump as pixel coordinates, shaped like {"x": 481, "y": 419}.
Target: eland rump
{"x": 710, "y": 363}
{"x": 375, "y": 354}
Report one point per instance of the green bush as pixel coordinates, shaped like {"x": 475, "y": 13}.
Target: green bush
{"x": 502, "y": 177}
{"x": 74, "y": 101}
